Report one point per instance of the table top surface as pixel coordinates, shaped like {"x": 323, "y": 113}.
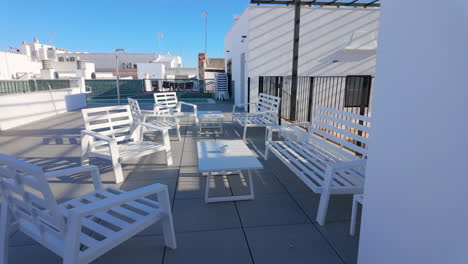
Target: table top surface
{"x": 210, "y": 114}
{"x": 236, "y": 157}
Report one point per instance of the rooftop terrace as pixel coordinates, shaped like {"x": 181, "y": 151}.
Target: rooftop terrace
{"x": 277, "y": 227}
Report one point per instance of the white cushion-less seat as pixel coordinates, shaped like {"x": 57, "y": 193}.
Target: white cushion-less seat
{"x": 127, "y": 151}
{"x": 154, "y": 117}
{"x": 84, "y": 228}
{"x": 266, "y": 113}
{"x": 166, "y": 103}
{"x": 113, "y": 134}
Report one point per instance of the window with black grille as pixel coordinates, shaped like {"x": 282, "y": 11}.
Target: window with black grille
{"x": 357, "y": 90}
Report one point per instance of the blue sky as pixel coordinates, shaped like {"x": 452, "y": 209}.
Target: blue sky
{"x": 104, "y": 25}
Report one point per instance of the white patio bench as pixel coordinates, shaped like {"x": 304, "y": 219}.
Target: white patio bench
{"x": 329, "y": 158}
{"x": 112, "y": 133}
{"x": 84, "y": 228}
{"x": 266, "y": 113}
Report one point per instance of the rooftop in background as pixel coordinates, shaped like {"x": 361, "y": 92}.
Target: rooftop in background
{"x": 337, "y": 3}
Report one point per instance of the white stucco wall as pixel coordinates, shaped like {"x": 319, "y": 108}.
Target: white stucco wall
{"x": 325, "y": 32}
{"x": 233, "y": 44}
{"x": 416, "y": 187}
{"x": 20, "y": 109}
{"x": 154, "y": 70}
{"x": 11, "y": 63}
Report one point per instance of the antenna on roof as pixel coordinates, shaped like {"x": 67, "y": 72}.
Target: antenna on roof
{"x": 51, "y": 39}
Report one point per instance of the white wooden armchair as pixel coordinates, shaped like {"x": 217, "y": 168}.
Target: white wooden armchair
{"x": 84, "y": 228}
{"x": 167, "y": 103}
{"x": 112, "y": 133}
{"x": 266, "y": 113}
{"x": 154, "y": 117}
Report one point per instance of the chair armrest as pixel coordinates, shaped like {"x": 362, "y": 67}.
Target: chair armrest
{"x": 239, "y": 105}
{"x": 96, "y": 135}
{"x": 147, "y": 112}
{"x": 348, "y": 164}
{"x": 188, "y": 104}
{"x": 117, "y": 200}
{"x": 93, "y": 170}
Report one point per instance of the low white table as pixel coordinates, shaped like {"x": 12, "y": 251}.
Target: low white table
{"x": 212, "y": 120}
{"x": 213, "y": 161}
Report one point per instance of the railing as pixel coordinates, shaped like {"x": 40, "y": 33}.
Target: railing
{"x": 346, "y": 93}
{"x": 29, "y": 86}
{"x": 105, "y": 90}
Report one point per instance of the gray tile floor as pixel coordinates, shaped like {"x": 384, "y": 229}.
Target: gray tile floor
{"x": 277, "y": 227}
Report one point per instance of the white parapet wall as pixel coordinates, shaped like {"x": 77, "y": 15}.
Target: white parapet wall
{"x": 20, "y": 109}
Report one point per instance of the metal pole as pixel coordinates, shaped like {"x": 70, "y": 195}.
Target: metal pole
{"x": 117, "y": 76}
{"x": 206, "y": 32}
{"x": 297, "y": 25}
{"x": 117, "y": 72}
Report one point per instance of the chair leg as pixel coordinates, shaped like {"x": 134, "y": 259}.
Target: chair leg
{"x": 325, "y": 196}
{"x": 118, "y": 173}
{"x": 4, "y": 232}
{"x": 352, "y": 227}
{"x": 267, "y": 153}
{"x": 84, "y": 151}
{"x": 85, "y": 158}
{"x": 72, "y": 242}
{"x": 167, "y": 224}
{"x": 245, "y": 132}
{"x": 178, "y": 133}
{"x": 167, "y": 143}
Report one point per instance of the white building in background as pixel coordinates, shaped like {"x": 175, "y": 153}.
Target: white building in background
{"x": 333, "y": 42}
{"x": 135, "y": 65}
{"x": 40, "y": 61}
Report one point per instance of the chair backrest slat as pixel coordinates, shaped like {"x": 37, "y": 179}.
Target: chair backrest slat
{"x": 168, "y": 99}
{"x": 30, "y": 199}
{"x": 346, "y": 131}
{"x": 113, "y": 121}
{"x": 269, "y": 103}
{"x": 135, "y": 109}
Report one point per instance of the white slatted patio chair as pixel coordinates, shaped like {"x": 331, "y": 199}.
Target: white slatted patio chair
{"x": 154, "y": 117}
{"x": 112, "y": 133}
{"x": 167, "y": 103}
{"x": 266, "y": 113}
{"x": 84, "y": 228}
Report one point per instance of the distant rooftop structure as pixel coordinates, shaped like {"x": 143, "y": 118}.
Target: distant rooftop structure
{"x": 336, "y": 3}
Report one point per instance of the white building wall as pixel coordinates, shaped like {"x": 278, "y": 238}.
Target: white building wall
{"x": 416, "y": 187}
{"x": 233, "y": 44}
{"x": 325, "y": 32}
{"x": 11, "y": 63}
{"x": 154, "y": 70}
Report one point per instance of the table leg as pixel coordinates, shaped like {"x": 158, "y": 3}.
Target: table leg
{"x": 250, "y": 196}
{"x": 207, "y": 189}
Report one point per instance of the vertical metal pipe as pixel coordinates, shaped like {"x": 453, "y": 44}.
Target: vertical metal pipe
{"x": 297, "y": 25}
{"x": 117, "y": 76}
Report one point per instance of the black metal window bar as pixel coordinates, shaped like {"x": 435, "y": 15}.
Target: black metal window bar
{"x": 350, "y": 93}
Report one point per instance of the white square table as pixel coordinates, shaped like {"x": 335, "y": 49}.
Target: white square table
{"x": 237, "y": 157}
{"x": 210, "y": 120}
